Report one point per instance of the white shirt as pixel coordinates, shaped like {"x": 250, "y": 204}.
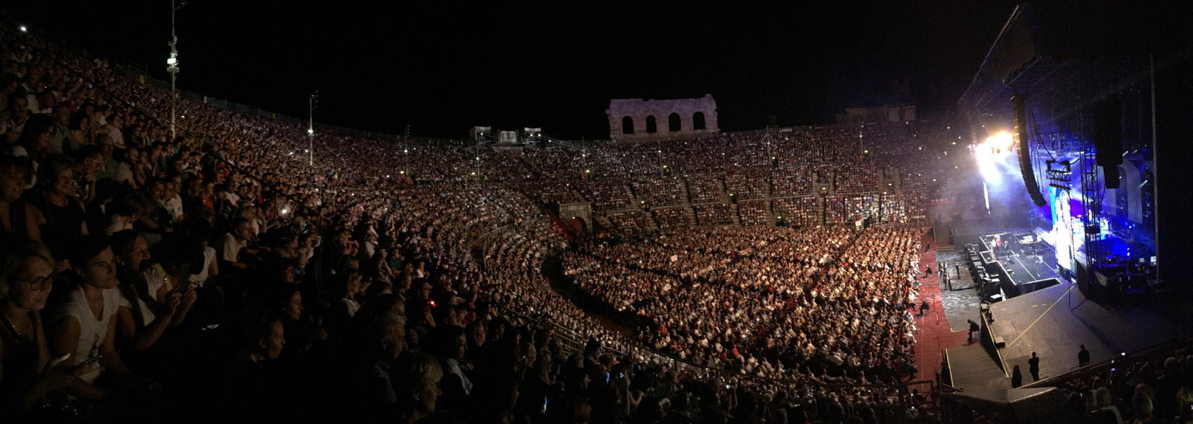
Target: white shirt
{"x": 92, "y": 330}
{"x": 155, "y": 278}
{"x": 117, "y": 224}
{"x": 147, "y": 314}
{"x": 231, "y": 249}
{"x": 453, "y": 367}
{"x": 174, "y": 205}
{"x": 201, "y": 277}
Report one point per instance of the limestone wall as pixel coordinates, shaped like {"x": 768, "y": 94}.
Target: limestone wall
{"x": 633, "y": 120}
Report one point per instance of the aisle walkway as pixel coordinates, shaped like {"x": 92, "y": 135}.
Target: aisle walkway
{"x": 933, "y": 335}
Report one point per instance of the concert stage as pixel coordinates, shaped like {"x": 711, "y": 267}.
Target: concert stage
{"x": 1054, "y": 322}
{"x": 1076, "y": 144}
{"x": 1010, "y": 264}
{"x": 1034, "y": 306}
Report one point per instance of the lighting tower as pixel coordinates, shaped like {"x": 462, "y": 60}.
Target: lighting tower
{"x": 312, "y": 103}
{"x": 172, "y": 68}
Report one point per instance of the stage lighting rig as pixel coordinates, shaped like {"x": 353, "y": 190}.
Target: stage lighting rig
{"x": 1059, "y": 173}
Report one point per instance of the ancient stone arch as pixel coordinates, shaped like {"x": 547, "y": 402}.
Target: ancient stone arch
{"x": 685, "y": 118}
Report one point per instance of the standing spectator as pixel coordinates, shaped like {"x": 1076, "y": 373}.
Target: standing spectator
{"x": 1033, "y": 366}
{"x": 1083, "y": 357}
{"x": 1016, "y": 377}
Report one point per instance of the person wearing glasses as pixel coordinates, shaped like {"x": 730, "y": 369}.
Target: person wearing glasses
{"x": 27, "y": 373}
{"x": 60, "y": 213}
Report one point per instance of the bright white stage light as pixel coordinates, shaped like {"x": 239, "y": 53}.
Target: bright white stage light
{"x": 999, "y": 143}
{"x": 992, "y": 157}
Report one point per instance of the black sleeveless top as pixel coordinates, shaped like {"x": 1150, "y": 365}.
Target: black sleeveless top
{"x": 18, "y": 219}
{"x": 20, "y": 363}
{"x": 64, "y": 224}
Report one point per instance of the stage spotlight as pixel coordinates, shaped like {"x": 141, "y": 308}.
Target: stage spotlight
{"x": 999, "y": 142}
{"x": 992, "y": 157}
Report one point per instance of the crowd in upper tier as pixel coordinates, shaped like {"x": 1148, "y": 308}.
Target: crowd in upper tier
{"x": 211, "y": 272}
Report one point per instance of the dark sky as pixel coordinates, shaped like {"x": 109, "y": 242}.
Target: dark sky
{"x": 442, "y": 66}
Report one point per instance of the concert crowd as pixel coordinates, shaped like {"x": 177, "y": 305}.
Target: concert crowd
{"x": 211, "y": 272}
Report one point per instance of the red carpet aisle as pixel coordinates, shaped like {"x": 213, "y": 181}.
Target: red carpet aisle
{"x": 933, "y": 335}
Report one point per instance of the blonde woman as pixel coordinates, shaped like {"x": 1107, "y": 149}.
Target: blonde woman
{"x": 27, "y": 372}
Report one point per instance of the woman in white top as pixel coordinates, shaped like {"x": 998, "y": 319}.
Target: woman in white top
{"x": 209, "y": 267}
{"x": 27, "y": 373}
{"x": 200, "y": 256}
{"x": 149, "y": 303}
{"x": 84, "y": 325}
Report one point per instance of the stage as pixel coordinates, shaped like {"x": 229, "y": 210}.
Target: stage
{"x": 1049, "y": 315}
{"x": 1012, "y": 263}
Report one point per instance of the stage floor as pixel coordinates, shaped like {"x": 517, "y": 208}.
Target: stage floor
{"x": 1055, "y": 321}
{"x": 1025, "y": 268}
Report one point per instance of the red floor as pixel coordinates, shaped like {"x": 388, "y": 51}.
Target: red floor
{"x": 933, "y": 335}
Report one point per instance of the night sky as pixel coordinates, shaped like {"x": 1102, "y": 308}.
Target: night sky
{"x": 443, "y": 66}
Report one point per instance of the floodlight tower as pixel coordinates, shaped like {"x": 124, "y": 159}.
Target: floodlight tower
{"x": 172, "y": 68}
{"x": 312, "y": 103}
